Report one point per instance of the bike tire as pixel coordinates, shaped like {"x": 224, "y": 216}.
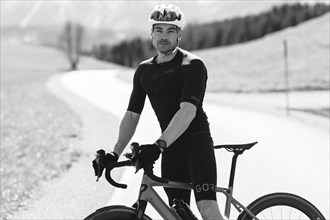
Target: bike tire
{"x": 115, "y": 213}
{"x": 282, "y": 206}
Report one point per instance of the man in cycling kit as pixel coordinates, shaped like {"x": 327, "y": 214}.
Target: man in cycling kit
{"x": 174, "y": 81}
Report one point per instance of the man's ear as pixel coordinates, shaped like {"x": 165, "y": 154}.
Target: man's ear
{"x": 152, "y": 30}
{"x": 180, "y": 35}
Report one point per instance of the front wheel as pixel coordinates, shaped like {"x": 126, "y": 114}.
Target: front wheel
{"x": 115, "y": 213}
{"x": 282, "y": 206}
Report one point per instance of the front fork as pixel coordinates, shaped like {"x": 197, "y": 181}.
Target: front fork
{"x": 148, "y": 194}
{"x": 141, "y": 205}
{"x": 140, "y": 209}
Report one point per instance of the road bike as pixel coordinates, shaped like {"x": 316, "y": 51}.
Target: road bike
{"x": 272, "y": 206}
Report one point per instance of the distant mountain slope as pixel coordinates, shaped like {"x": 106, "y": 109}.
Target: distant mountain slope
{"x": 124, "y": 18}
{"x": 120, "y": 14}
{"x": 259, "y": 65}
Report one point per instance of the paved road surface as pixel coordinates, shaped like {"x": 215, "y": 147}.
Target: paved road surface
{"x": 290, "y": 157}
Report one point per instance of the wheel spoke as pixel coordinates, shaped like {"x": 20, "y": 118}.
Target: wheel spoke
{"x": 264, "y": 217}
{"x": 290, "y": 213}
{"x": 271, "y": 212}
{"x": 283, "y": 206}
{"x": 282, "y": 213}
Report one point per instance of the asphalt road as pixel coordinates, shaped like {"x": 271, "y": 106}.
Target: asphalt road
{"x": 291, "y": 156}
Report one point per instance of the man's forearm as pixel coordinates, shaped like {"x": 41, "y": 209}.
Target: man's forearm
{"x": 126, "y": 131}
{"x": 179, "y": 123}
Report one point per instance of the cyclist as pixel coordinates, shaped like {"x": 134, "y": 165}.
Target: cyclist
{"x": 174, "y": 81}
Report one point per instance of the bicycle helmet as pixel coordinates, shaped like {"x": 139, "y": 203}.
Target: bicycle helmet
{"x": 167, "y": 14}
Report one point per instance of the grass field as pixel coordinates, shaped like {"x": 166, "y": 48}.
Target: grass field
{"x": 258, "y": 66}
{"x": 37, "y": 129}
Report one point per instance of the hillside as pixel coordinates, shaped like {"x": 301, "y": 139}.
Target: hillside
{"x": 259, "y": 65}
{"x": 38, "y": 130}
{"x": 109, "y": 14}
{"x": 110, "y": 21}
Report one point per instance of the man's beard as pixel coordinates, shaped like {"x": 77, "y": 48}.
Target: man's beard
{"x": 165, "y": 47}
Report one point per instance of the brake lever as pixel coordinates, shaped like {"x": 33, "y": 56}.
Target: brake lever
{"x": 149, "y": 172}
{"x": 100, "y": 169}
{"x": 135, "y": 147}
{"x": 132, "y": 160}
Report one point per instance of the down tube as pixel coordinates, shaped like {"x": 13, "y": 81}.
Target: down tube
{"x": 160, "y": 206}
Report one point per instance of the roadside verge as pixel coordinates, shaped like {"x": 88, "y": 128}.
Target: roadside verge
{"x": 76, "y": 194}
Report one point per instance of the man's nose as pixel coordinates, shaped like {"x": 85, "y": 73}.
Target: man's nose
{"x": 164, "y": 38}
{"x": 164, "y": 35}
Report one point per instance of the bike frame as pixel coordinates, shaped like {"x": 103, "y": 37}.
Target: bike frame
{"x": 149, "y": 195}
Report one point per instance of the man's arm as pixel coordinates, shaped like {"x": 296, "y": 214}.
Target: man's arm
{"x": 179, "y": 123}
{"x": 126, "y": 131}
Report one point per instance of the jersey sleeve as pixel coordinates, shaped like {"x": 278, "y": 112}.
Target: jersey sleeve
{"x": 195, "y": 77}
{"x": 138, "y": 95}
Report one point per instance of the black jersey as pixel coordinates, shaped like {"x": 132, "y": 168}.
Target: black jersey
{"x": 183, "y": 79}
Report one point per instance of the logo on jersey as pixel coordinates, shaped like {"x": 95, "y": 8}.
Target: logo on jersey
{"x": 169, "y": 71}
{"x": 195, "y": 99}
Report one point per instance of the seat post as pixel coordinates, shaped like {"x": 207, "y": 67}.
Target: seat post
{"x": 233, "y": 168}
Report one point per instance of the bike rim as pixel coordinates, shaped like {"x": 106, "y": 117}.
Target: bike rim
{"x": 282, "y": 212}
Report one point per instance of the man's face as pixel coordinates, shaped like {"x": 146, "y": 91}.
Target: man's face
{"x": 165, "y": 37}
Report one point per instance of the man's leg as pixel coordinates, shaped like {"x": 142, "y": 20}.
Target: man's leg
{"x": 204, "y": 175}
{"x": 174, "y": 170}
{"x": 209, "y": 210}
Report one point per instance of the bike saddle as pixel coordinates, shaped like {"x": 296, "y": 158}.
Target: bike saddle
{"x": 236, "y": 147}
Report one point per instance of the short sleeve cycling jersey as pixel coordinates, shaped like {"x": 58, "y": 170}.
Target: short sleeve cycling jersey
{"x": 183, "y": 79}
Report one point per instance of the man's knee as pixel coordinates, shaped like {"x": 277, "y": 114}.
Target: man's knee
{"x": 207, "y": 205}
{"x": 209, "y": 209}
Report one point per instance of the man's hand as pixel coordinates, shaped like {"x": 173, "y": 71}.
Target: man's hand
{"x": 102, "y": 161}
{"x": 148, "y": 154}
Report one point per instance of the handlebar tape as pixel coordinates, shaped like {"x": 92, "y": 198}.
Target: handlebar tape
{"x": 148, "y": 171}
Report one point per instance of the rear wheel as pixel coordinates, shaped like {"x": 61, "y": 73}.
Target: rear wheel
{"x": 115, "y": 213}
{"x": 282, "y": 206}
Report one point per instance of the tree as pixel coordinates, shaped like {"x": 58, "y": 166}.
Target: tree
{"x": 217, "y": 33}
{"x": 71, "y": 42}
